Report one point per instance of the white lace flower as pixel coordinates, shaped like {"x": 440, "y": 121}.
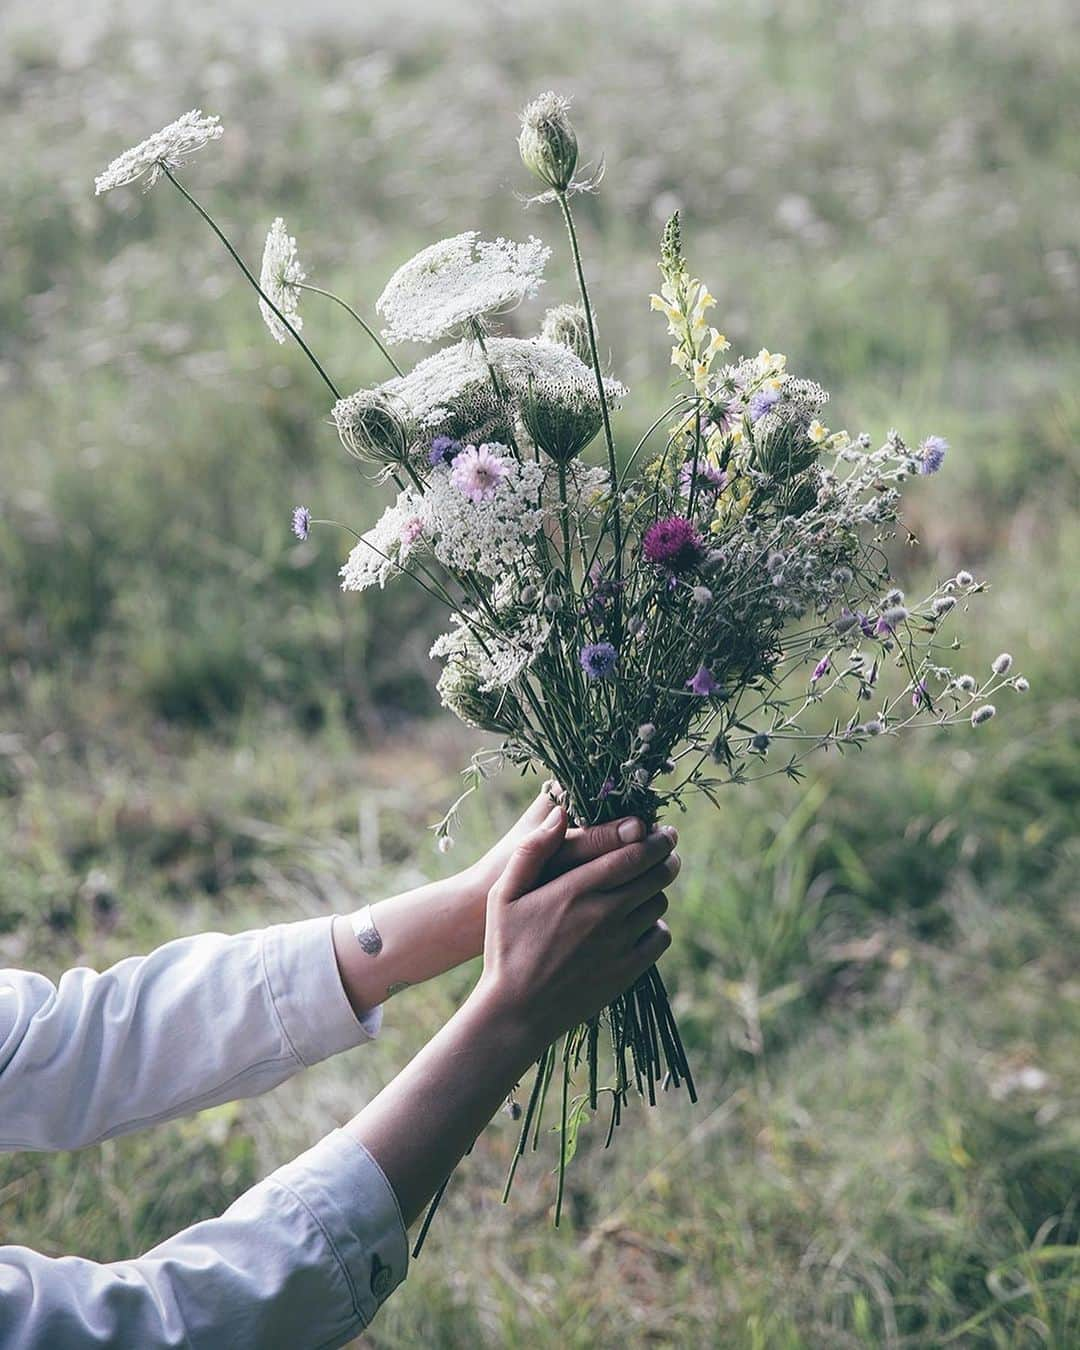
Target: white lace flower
{"x": 382, "y": 551}
{"x": 280, "y": 278}
{"x": 486, "y": 536}
{"x": 167, "y": 147}
{"x": 493, "y": 659}
{"x": 456, "y": 280}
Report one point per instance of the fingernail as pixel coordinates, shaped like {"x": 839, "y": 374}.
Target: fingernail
{"x": 552, "y": 818}
{"x": 671, "y": 832}
{"x": 631, "y": 830}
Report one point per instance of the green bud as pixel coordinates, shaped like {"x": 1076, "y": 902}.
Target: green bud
{"x": 371, "y": 428}
{"x": 568, "y": 326}
{"x": 547, "y": 142}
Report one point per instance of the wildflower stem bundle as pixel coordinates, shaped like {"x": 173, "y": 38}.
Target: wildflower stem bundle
{"x": 707, "y": 613}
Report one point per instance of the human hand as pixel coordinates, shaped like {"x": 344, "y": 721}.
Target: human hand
{"x": 579, "y": 845}
{"x": 557, "y": 951}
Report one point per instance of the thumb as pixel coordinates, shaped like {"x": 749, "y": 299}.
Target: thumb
{"x": 525, "y": 865}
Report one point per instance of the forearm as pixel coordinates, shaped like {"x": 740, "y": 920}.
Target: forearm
{"x": 202, "y": 1020}
{"x": 409, "y": 938}
{"x": 420, "y": 1125}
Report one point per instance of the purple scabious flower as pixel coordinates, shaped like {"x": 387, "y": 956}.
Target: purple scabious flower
{"x": 702, "y": 683}
{"x": 673, "y": 543}
{"x": 477, "y": 471}
{"x": 443, "y": 450}
{"x": 932, "y": 454}
{"x": 598, "y": 660}
{"x": 301, "y": 522}
{"x": 761, "y": 402}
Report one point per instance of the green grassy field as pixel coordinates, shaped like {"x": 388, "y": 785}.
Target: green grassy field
{"x": 876, "y": 970}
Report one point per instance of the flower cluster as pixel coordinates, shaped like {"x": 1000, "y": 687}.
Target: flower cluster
{"x": 710, "y": 609}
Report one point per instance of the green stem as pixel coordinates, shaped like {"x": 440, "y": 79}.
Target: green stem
{"x": 318, "y": 290}
{"x": 247, "y": 272}
{"x": 613, "y": 467}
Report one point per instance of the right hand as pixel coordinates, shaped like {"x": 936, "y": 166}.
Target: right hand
{"x": 556, "y": 952}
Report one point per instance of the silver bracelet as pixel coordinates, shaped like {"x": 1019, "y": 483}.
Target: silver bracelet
{"x": 367, "y": 934}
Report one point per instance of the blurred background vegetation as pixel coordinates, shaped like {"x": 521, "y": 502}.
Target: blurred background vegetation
{"x": 877, "y": 971}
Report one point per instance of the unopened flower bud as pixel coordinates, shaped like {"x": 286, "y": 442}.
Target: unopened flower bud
{"x": 702, "y": 596}
{"x": 1001, "y": 665}
{"x": 964, "y": 579}
{"x": 983, "y": 714}
{"x": 568, "y": 326}
{"x": 551, "y": 603}
{"x": 547, "y": 142}
{"x": 646, "y": 731}
{"x": 529, "y": 595}
{"x": 1021, "y": 685}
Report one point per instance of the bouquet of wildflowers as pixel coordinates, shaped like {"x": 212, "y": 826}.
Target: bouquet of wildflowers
{"x": 703, "y": 609}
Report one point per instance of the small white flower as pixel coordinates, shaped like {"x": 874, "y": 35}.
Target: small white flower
{"x": 456, "y": 280}
{"x": 280, "y": 278}
{"x": 167, "y": 147}
{"x": 383, "y": 550}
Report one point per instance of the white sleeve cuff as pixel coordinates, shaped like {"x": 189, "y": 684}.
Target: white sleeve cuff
{"x": 313, "y": 1009}
{"x": 345, "y": 1189}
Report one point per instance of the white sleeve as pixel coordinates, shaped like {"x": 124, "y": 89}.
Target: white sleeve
{"x": 202, "y": 1020}
{"x": 302, "y": 1261}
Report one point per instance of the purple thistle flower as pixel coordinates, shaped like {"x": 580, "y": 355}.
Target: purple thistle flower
{"x": 702, "y": 684}
{"x": 761, "y": 402}
{"x": 301, "y": 522}
{"x": 932, "y": 454}
{"x": 673, "y": 543}
{"x": 443, "y": 450}
{"x": 598, "y": 660}
{"x": 819, "y": 670}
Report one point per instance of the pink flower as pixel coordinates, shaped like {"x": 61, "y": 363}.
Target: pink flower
{"x": 477, "y": 471}
{"x": 673, "y": 543}
{"x": 412, "y": 530}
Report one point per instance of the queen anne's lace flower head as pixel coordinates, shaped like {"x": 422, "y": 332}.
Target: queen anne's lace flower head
{"x": 167, "y": 147}
{"x": 457, "y": 280}
{"x": 383, "y": 550}
{"x": 487, "y": 536}
{"x": 280, "y": 278}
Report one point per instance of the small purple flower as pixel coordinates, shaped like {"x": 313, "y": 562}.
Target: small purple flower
{"x": 443, "y": 450}
{"x": 702, "y": 684}
{"x": 603, "y": 592}
{"x": 932, "y": 454}
{"x": 673, "y": 543}
{"x": 819, "y": 670}
{"x": 724, "y": 418}
{"x": 709, "y": 477}
{"x": 598, "y": 660}
{"x": 865, "y": 625}
{"x": 301, "y": 522}
{"x": 761, "y": 402}
{"x": 919, "y": 695}
{"x": 890, "y": 620}
{"x": 607, "y": 787}
{"x": 477, "y": 471}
